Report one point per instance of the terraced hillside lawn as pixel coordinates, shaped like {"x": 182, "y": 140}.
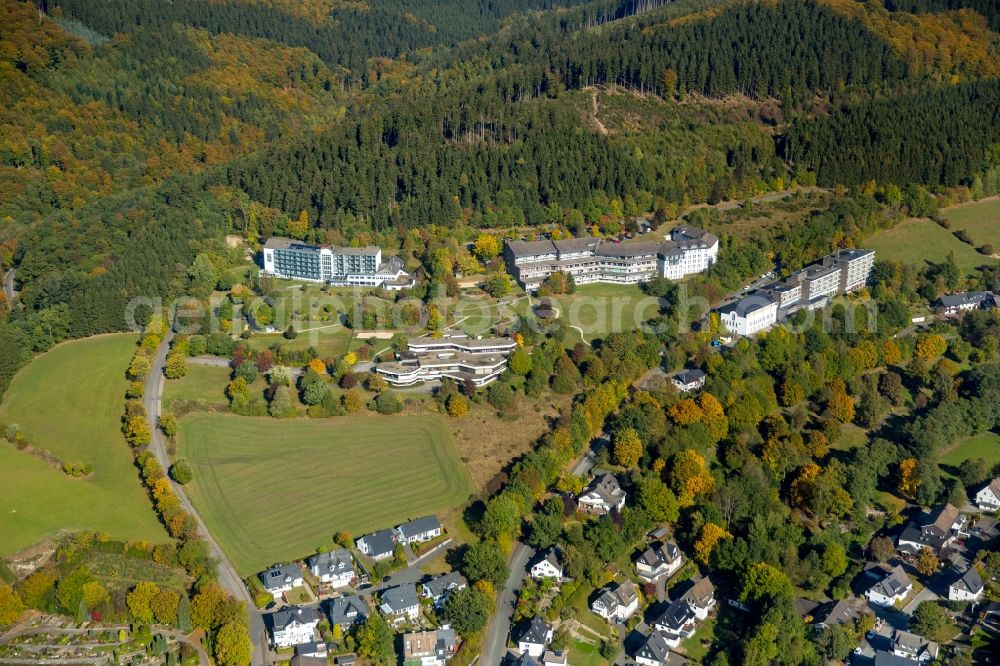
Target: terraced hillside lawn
{"x": 273, "y": 490}
{"x": 69, "y": 402}
{"x": 917, "y": 241}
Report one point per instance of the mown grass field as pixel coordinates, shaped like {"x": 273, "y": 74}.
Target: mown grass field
{"x": 985, "y": 445}
{"x": 202, "y": 382}
{"x": 273, "y": 490}
{"x": 981, "y": 219}
{"x": 917, "y": 241}
{"x": 69, "y": 402}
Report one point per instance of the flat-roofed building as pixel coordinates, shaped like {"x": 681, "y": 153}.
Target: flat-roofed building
{"x": 329, "y": 264}
{"x": 462, "y": 358}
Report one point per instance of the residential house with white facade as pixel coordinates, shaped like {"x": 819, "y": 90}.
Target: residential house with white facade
{"x": 967, "y": 587}
{"x": 988, "y": 498}
{"x": 660, "y": 559}
{"x": 438, "y": 589}
{"x": 654, "y": 651}
{"x": 282, "y": 578}
{"x": 334, "y": 567}
{"x": 293, "y": 625}
{"x": 890, "y": 585}
{"x": 700, "y": 594}
{"x": 935, "y": 531}
{"x": 419, "y": 530}
{"x": 676, "y": 623}
{"x": 911, "y": 646}
{"x": 603, "y": 495}
{"x": 750, "y": 315}
{"x": 535, "y": 638}
{"x": 346, "y": 611}
{"x": 379, "y": 545}
{"x": 953, "y": 304}
{"x": 617, "y": 602}
{"x": 400, "y": 604}
{"x": 546, "y": 565}
{"x": 689, "y": 379}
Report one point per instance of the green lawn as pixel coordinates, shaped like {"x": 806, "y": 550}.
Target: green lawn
{"x": 599, "y": 309}
{"x": 851, "y": 437}
{"x": 693, "y": 647}
{"x": 985, "y": 445}
{"x": 917, "y": 241}
{"x": 981, "y": 219}
{"x": 273, "y": 490}
{"x": 69, "y": 402}
{"x": 202, "y": 382}
{"x": 581, "y": 653}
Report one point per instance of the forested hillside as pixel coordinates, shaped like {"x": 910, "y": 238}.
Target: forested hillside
{"x": 132, "y": 131}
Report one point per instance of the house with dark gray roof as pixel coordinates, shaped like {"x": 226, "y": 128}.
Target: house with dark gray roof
{"x": 617, "y": 602}
{"x": 935, "y": 531}
{"x": 654, "y": 651}
{"x": 839, "y": 612}
{"x": 419, "y": 530}
{"x": 911, "y": 646}
{"x": 400, "y": 604}
{"x": 890, "y": 586}
{"x": 546, "y": 565}
{"x": 603, "y": 495}
{"x": 282, "y": 578}
{"x": 347, "y": 610}
{"x": 688, "y": 379}
{"x": 378, "y": 545}
{"x": 535, "y": 637}
{"x": 660, "y": 559}
{"x": 334, "y": 567}
{"x": 676, "y": 623}
{"x": 293, "y": 625}
{"x": 438, "y": 589}
{"x": 700, "y": 593}
{"x": 968, "y": 586}
{"x": 988, "y": 498}
{"x": 951, "y": 304}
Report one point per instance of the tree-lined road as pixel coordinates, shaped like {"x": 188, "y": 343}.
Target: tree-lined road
{"x": 228, "y": 578}
{"x": 496, "y": 637}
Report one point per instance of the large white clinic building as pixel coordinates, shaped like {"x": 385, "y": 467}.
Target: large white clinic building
{"x": 329, "y": 264}
{"x": 688, "y": 250}
{"x": 810, "y": 288}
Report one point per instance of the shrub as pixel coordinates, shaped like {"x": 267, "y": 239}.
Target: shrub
{"x": 77, "y": 470}
{"x": 181, "y": 472}
{"x": 387, "y": 403}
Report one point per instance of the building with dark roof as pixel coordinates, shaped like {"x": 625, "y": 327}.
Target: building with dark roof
{"x": 334, "y": 567}
{"x": 968, "y": 586}
{"x": 378, "y": 545}
{"x": 536, "y": 636}
{"x": 419, "y": 530}
{"x": 687, "y": 251}
{"x": 347, "y": 610}
{"x": 890, "y": 586}
{"x": 935, "y": 531}
{"x": 293, "y": 625}
{"x": 603, "y": 495}
{"x": 660, "y": 559}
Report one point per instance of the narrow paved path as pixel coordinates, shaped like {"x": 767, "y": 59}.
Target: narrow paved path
{"x": 228, "y": 578}
{"x": 8, "y": 285}
{"x": 495, "y": 644}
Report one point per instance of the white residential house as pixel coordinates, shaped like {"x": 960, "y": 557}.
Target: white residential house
{"x": 603, "y": 495}
{"x": 935, "y": 531}
{"x": 617, "y": 603}
{"x": 988, "y": 499}
{"x": 891, "y": 585}
{"x": 293, "y": 626}
{"x": 676, "y": 623}
{"x": 968, "y": 587}
{"x": 438, "y": 589}
{"x": 334, "y": 567}
{"x": 378, "y": 545}
{"x": 654, "y": 651}
{"x": 535, "y": 638}
{"x": 660, "y": 559}
{"x": 419, "y": 530}
{"x": 429, "y": 648}
{"x": 911, "y": 646}
{"x": 701, "y": 597}
{"x": 689, "y": 379}
{"x": 282, "y": 578}
{"x": 400, "y": 604}
{"x": 547, "y": 566}
{"x": 347, "y": 611}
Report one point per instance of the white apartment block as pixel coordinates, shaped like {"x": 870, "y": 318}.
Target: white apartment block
{"x": 687, "y": 251}
{"x": 810, "y": 288}
{"x": 459, "y": 357}
{"x": 340, "y": 266}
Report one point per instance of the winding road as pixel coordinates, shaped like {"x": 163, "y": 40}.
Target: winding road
{"x": 8, "y": 285}
{"x": 495, "y": 644}
{"x": 228, "y": 578}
